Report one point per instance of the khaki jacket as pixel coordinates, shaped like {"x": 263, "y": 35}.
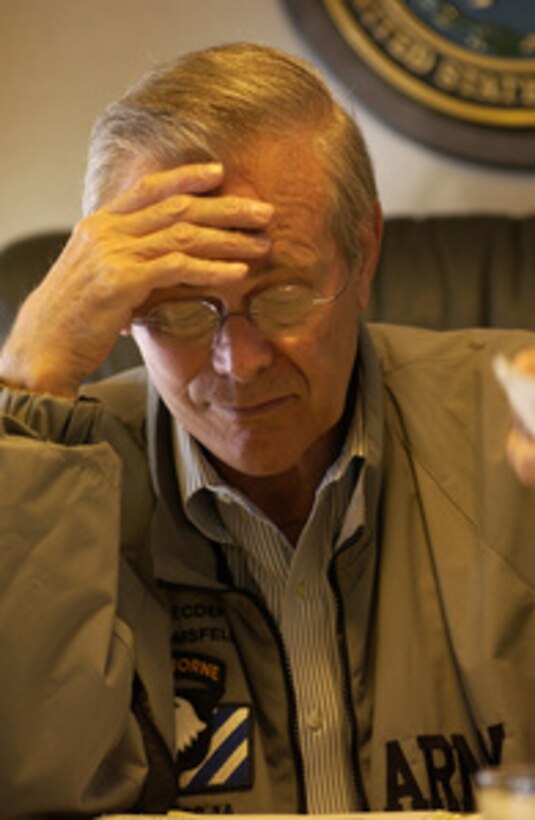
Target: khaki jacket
{"x": 434, "y": 594}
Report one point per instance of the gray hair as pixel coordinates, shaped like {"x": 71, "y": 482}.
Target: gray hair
{"x": 210, "y": 104}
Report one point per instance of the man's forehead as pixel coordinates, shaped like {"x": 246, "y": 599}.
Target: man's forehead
{"x": 293, "y": 181}
{"x": 286, "y": 170}
{"x": 283, "y": 171}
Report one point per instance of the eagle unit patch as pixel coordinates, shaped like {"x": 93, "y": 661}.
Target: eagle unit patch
{"x": 213, "y": 739}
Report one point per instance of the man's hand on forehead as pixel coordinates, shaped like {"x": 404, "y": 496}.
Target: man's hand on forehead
{"x": 164, "y": 230}
{"x": 182, "y": 235}
{"x": 164, "y": 186}
{"x": 162, "y": 214}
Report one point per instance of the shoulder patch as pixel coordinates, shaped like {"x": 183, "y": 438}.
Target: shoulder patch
{"x": 223, "y": 749}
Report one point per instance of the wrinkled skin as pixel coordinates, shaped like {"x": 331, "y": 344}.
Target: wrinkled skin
{"x": 268, "y": 410}
{"x": 158, "y": 232}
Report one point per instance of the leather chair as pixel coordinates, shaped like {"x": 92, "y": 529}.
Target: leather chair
{"x": 437, "y": 272}
{"x": 449, "y": 272}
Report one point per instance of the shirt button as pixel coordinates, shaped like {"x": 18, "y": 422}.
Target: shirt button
{"x": 315, "y": 721}
{"x": 300, "y": 589}
{"x": 225, "y": 497}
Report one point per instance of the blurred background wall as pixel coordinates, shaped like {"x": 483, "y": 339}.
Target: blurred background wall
{"x": 61, "y": 61}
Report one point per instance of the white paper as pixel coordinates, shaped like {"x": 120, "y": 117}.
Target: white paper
{"x": 406, "y": 815}
{"x": 520, "y": 390}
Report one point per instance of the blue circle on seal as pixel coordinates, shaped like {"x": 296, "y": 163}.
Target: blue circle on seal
{"x": 499, "y": 28}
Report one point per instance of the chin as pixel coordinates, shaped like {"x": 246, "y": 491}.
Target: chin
{"x": 258, "y": 464}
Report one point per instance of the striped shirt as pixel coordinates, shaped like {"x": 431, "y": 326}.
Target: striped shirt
{"x": 293, "y": 584}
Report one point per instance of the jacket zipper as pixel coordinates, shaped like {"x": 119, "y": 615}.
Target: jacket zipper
{"x": 225, "y": 576}
{"x": 292, "y": 707}
{"x": 346, "y": 688}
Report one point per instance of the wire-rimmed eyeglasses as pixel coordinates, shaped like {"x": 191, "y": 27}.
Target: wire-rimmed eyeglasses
{"x": 275, "y": 311}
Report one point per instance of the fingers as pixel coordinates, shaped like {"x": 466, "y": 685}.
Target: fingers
{"x": 525, "y": 361}
{"x": 195, "y": 178}
{"x": 518, "y": 381}
{"x": 521, "y": 442}
{"x": 175, "y": 269}
{"x": 521, "y": 454}
{"x": 230, "y": 212}
{"x": 208, "y": 243}
{"x": 163, "y": 213}
{"x": 158, "y": 199}
{"x": 103, "y": 270}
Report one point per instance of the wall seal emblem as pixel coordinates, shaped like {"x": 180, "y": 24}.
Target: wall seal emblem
{"x": 458, "y": 75}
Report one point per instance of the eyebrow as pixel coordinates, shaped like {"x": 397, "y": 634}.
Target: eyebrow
{"x": 302, "y": 257}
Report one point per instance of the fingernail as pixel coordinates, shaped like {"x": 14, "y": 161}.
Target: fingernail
{"x": 262, "y": 242}
{"x": 262, "y": 209}
{"x": 237, "y": 268}
{"x": 213, "y": 168}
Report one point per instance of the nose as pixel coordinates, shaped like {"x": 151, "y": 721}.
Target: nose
{"x": 240, "y": 349}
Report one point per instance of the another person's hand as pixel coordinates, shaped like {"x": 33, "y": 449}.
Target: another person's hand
{"x": 520, "y": 441}
{"x": 161, "y": 232}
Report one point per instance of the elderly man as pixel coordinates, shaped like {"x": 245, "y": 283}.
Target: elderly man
{"x": 287, "y": 570}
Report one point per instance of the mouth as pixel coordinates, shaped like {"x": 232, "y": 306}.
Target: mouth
{"x": 261, "y": 408}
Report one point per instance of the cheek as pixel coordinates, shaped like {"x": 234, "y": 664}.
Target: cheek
{"x": 171, "y": 370}
{"x": 338, "y": 356}
{"x": 326, "y": 358}
{"x": 338, "y": 343}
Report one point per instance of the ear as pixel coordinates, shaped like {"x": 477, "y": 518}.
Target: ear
{"x": 370, "y": 241}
